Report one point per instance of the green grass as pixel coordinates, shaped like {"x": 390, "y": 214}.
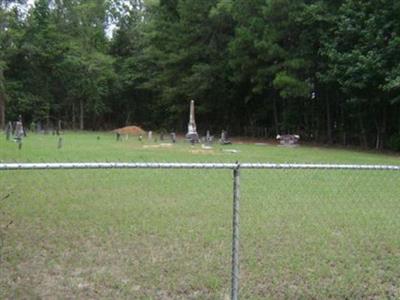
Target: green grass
{"x": 86, "y": 147}
{"x": 166, "y": 234}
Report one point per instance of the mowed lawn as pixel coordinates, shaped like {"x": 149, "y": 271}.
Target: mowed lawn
{"x": 166, "y": 234}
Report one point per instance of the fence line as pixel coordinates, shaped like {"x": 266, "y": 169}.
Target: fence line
{"x": 232, "y": 166}
{"x": 235, "y": 167}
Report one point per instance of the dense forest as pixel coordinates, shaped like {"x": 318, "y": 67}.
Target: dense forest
{"x": 328, "y": 70}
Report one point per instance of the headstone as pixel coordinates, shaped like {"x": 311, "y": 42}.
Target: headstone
{"x": 8, "y": 131}
{"x": 19, "y": 132}
{"x": 192, "y": 135}
{"x": 19, "y": 128}
{"x": 224, "y": 138}
{"x": 60, "y": 143}
{"x": 173, "y": 137}
{"x": 58, "y": 130}
{"x": 288, "y": 139}
{"x": 209, "y": 138}
{"x": 150, "y": 135}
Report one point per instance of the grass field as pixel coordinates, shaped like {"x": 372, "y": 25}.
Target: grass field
{"x": 166, "y": 234}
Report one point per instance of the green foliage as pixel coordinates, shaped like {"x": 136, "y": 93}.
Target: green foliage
{"x": 290, "y": 86}
{"x": 325, "y": 69}
{"x": 394, "y": 142}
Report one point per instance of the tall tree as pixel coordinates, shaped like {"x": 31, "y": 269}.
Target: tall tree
{"x": 363, "y": 57}
{"x": 9, "y": 28}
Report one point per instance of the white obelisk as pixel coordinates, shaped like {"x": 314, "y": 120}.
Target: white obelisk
{"x": 192, "y": 132}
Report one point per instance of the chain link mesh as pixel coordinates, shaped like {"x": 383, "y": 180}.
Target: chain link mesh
{"x": 320, "y": 234}
{"x": 161, "y": 234}
{"x": 165, "y": 232}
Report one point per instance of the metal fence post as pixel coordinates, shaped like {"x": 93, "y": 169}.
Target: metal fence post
{"x": 235, "y": 232}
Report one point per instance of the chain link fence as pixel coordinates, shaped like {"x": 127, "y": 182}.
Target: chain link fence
{"x": 171, "y": 231}
{"x": 320, "y": 233}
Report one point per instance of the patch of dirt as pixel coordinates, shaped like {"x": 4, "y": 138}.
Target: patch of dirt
{"x": 132, "y": 130}
{"x": 201, "y": 151}
{"x": 163, "y": 145}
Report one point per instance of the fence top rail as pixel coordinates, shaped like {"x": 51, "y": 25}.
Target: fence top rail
{"x": 142, "y": 165}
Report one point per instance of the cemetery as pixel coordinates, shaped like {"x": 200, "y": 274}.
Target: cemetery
{"x": 152, "y": 140}
{"x": 88, "y": 231}
{"x": 70, "y": 218}
{"x": 157, "y": 221}
{"x": 186, "y": 149}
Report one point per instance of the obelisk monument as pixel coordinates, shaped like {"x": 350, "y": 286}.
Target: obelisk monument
{"x": 192, "y": 132}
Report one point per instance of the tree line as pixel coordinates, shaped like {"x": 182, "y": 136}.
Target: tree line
{"x": 328, "y": 70}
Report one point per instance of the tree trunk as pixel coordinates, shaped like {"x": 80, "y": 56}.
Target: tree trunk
{"x": 2, "y": 101}
{"x": 328, "y": 120}
{"x": 2, "y": 110}
{"x": 81, "y": 115}
{"x": 47, "y": 121}
{"x": 317, "y": 126}
{"x": 363, "y": 137}
{"x": 73, "y": 117}
{"x": 94, "y": 122}
{"x": 343, "y": 124}
{"x": 380, "y": 130}
{"x": 128, "y": 118}
{"x": 384, "y": 123}
{"x": 276, "y": 122}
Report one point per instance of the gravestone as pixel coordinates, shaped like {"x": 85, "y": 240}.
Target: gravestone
{"x": 209, "y": 138}
{"x": 288, "y": 139}
{"x": 19, "y": 132}
{"x": 8, "y": 131}
{"x": 150, "y": 135}
{"x": 224, "y": 138}
{"x": 192, "y": 135}
{"x": 60, "y": 143}
{"x": 173, "y": 137}
{"x": 58, "y": 130}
